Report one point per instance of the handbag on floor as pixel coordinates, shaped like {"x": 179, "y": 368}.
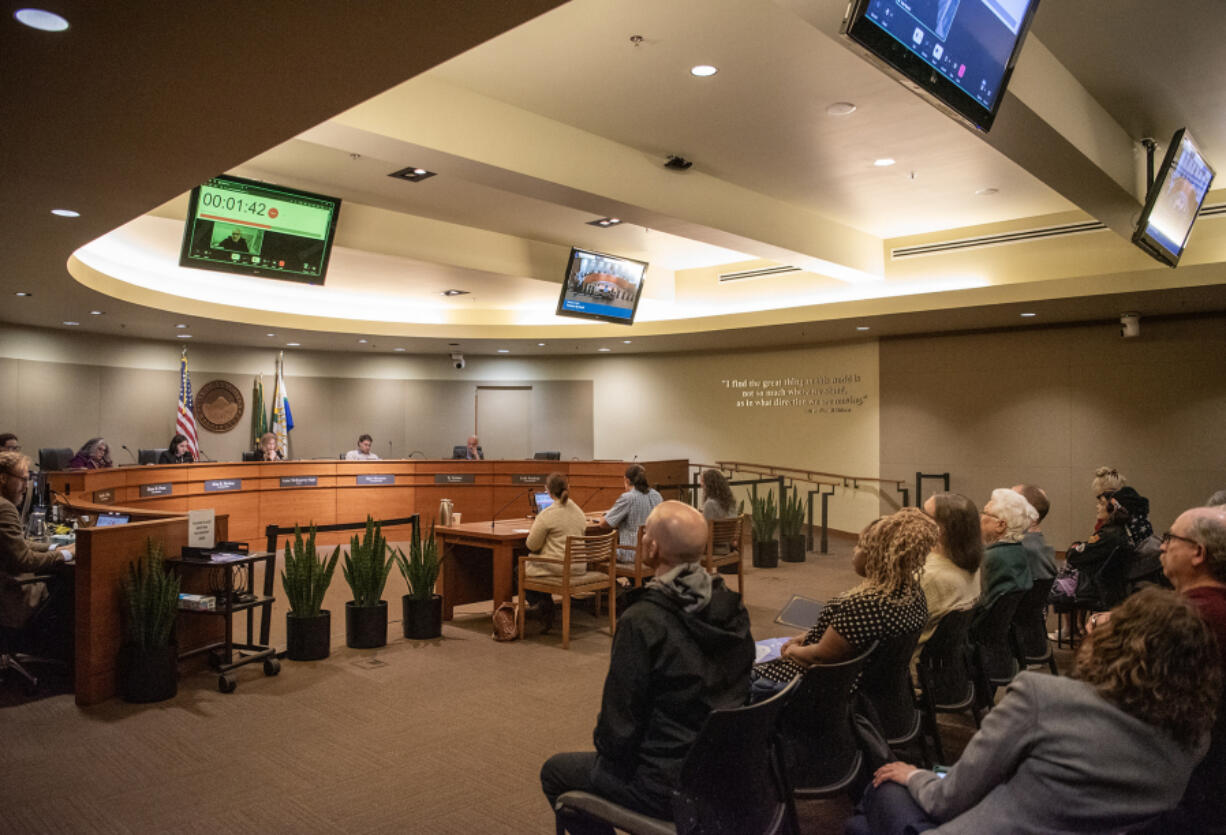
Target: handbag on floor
{"x": 505, "y": 627}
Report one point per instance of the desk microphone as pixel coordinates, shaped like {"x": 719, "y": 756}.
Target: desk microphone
{"x": 389, "y": 449}
{"x": 204, "y": 455}
{"x": 125, "y": 449}
{"x": 517, "y": 497}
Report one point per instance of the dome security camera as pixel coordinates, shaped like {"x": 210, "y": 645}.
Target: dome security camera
{"x": 457, "y": 360}
{"x": 1130, "y": 325}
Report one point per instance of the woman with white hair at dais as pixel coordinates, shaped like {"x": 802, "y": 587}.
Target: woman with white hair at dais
{"x": 1003, "y": 522}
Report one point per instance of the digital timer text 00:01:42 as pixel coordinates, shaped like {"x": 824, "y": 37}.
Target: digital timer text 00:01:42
{"x": 289, "y": 217}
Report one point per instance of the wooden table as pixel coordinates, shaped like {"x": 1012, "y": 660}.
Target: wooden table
{"x": 479, "y": 559}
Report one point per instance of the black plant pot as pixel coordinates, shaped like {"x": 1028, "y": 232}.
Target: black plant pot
{"x": 766, "y": 554}
{"x": 365, "y": 626}
{"x": 423, "y": 619}
{"x": 148, "y": 675}
{"x": 793, "y": 547}
{"x": 309, "y": 638}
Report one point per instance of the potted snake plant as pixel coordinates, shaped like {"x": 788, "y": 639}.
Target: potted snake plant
{"x": 366, "y": 567}
{"x": 423, "y": 609}
{"x": 791, "y": 522}
{"x": 305, "y": 578}
{"x": 765, "y": 521}
{"x": 148, "y": 657}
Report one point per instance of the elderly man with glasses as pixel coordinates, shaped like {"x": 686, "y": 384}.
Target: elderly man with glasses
{"x": 19, "y": 556}
{"x": 1194, "y": 560}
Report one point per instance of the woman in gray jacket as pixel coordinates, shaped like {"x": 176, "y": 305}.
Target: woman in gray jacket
{"x": 1102, "y": 752}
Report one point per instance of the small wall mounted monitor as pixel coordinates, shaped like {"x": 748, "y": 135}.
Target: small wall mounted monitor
{"x": 601, "y": 286}
{"x": 106, "y": 520}
{"x": 251, "y": 228}
{"x": 1174, "y": 200}
{"x": 957, "y": 53}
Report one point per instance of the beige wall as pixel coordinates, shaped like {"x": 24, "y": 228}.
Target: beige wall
{"x": 59, "y": 389}
{"x": 1048, "y": 405}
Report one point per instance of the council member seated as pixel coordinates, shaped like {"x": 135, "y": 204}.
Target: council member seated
{"x": 1103, "y": 750}
{"x": 471, "y": 451}
{"x": 93, "y": 455}
{"x": 9, "y": 443}
{"x": 547, "y": 538}
{"x": 47, "y": 610}
{"x": 266, "y": 450}
{"x": 179, "y": 452}
{"x": 362, "y": 453}
{"x": 630, "y": 511}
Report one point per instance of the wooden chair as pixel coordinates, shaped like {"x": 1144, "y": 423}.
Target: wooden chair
{"x": 724, "y": 547}
{"x": 636, "y": 571}
{"x": 599, "y": 552}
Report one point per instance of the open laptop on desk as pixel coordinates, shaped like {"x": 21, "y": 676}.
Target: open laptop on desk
{"x": 106, "y": 520}
{"x": 540, "y": 501}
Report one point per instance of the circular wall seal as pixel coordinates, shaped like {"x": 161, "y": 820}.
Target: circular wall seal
{"x": 219, "y": 406}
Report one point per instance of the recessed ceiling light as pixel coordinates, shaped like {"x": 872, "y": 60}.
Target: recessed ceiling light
{"x": 453, "y": 344}
{"x": 540, "y": 344}
{"x": 883, "y": 162}
{"x": 604, "y": 349}
{"x": 626, "y": 341}
{"x": 65, "y": 213}
{"x": 270, "y": 334}
{"x": 363, "y": 341}
{"x": 1027, "y": 315}
{"x": 604, "y": 222}
{"x": 400, "y": 349}
{"x": 841, "y": 108}
{"x": 23, "y": 293}
{"x": 504, "y": 350}
{"x": 413, "y": 174}
{"x": 40, "y": 19}
{"x": 454, "y": 292}
{"x": 292, "y": 344}
{"x": 703, "y": 70}
{"x": 184, "y": 335}
{"x": 72, "y": 324}
{"x": 861, "y": 327}
{"x": 180, "y": 326}
{"x": 95, "y": 313}
{"x": 984, "y": 192}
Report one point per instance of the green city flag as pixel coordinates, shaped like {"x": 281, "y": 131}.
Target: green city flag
{"x": 259, "y": 415}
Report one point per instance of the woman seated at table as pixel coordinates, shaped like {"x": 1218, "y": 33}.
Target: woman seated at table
{"x": 1103, "y": 751}
{"x": 266, "y": 449}
{"x": 93, "y": 455}
{"x": 630, "y": 511}
{"x": 179, "y": 452}
{"x": 547, "y": 538}
{"x": 890, "y": 602}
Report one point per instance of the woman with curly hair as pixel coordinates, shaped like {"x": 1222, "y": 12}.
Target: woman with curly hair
{"x": 890, "y": 602}
{"x": 717, "y": 501}
{"x": 1103, "y": 751}
{"x": 94, "y": 454}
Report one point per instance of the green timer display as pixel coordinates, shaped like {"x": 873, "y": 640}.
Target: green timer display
{"x": 276, "y": 213}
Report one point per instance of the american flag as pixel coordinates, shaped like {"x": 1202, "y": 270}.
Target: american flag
{"x": 185, "y": 418}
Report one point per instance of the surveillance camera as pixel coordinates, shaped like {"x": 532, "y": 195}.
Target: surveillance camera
{"x": 457, "y": 360}
{"x": 1130, "y": 325}
{"x": 677, "y": 163}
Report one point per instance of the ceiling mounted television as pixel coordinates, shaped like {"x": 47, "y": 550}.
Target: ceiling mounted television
{"x": 1174, "y": 200}
{"x": 252, "y": 228}
{"x": 601, "y": 286}
{"x": 957, "y": 53}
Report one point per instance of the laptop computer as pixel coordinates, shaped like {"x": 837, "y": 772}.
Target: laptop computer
{"x": 540, "y": 501}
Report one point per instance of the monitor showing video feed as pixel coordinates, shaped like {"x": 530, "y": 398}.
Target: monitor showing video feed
{"x": 957, "y": 53}
{"x": 601, "y": 286}
{"x": 243, "y": 226}
{"x": 1174, "y": 200}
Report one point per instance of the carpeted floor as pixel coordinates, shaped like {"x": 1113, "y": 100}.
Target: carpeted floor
{"x": 428, "y": 736}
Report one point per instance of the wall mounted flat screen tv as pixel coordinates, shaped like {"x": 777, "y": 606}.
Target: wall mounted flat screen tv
{"x": 957, "y": 53}
{"x": 1174, "y": 200}
{"x": 601, "y": 286}
{"x": 252, "y": 228}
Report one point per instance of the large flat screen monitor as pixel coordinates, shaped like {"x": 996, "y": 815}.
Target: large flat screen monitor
{"x": 1174, "y": 200}
{"x": 601, "y": 286}
{"x": 243, "y": 226}
{"x": 958, "y": 53}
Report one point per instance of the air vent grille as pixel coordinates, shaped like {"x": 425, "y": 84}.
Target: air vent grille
{"x": 759, "y": 273}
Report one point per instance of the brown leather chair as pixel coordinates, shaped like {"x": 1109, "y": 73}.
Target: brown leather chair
{"x": 601, "y": 576}
{"x": 724, "y": 547}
